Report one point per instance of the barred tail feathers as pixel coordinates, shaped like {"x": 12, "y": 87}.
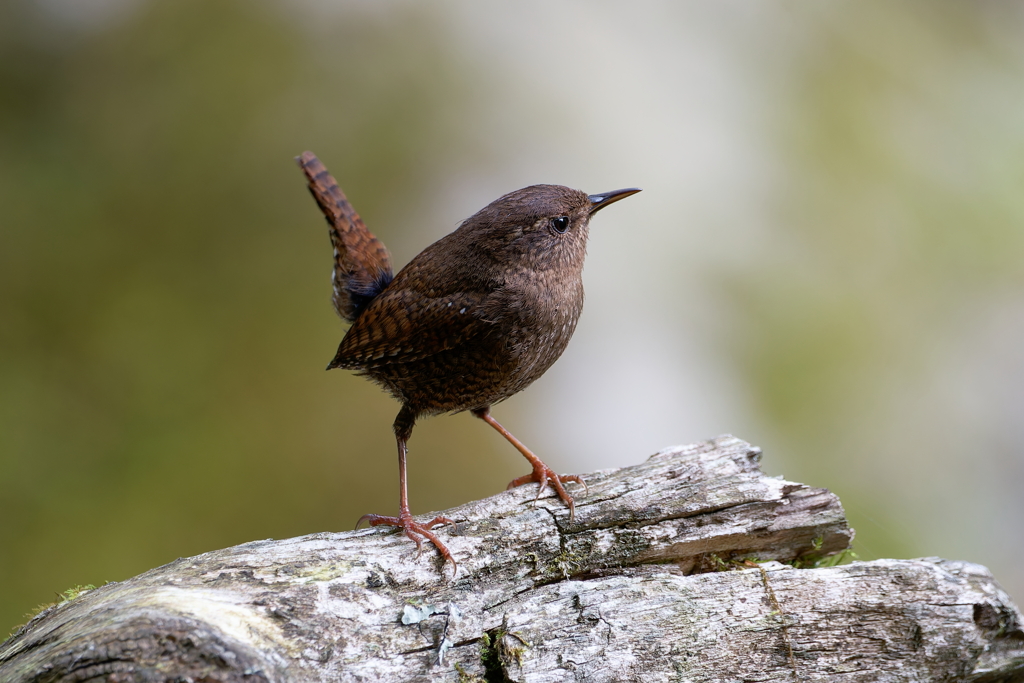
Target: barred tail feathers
{"x": 362, "y": 265}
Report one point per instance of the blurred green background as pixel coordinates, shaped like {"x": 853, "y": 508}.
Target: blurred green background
{"x": 827, "y": 260}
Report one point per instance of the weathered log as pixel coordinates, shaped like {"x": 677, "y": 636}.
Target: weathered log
{"x": 654, "y": 580}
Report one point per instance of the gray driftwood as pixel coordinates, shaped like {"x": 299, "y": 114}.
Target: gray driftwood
{"x": 654, "y": 580}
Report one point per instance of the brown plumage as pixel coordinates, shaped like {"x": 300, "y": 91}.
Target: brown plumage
{"x": 473, "y": 319}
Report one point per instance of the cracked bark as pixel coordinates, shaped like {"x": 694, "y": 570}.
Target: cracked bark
{"x": 653, "y": 581}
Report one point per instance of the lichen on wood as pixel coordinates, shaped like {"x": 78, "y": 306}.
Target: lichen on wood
{"x": 692, "y": 566}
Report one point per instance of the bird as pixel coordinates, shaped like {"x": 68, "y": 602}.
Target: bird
{"x": 473, "y": 319}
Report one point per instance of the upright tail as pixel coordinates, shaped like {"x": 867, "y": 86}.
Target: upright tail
{"x": 362, "y": 265}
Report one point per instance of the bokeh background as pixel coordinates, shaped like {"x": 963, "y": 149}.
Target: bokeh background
{"x": 827, "y": 259}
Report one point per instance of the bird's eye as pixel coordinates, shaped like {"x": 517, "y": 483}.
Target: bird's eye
{"x": 560, "y": 223}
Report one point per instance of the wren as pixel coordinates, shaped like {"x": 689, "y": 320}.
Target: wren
{"x": 475, "y": 318}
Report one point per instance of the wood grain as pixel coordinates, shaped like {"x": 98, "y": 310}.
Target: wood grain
{"x": 653, "y": 581}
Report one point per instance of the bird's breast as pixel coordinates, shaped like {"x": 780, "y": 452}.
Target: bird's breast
{"x": 540, "y": 319}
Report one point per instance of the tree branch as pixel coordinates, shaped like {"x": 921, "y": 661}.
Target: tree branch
{"x": 632, "y": 589}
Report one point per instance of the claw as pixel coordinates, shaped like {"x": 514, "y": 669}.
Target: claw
{"x": 415, "y": 531}
{"x": 542, "y": 474}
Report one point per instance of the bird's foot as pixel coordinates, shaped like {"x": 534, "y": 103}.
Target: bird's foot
{"x": 542, "y": 474}
{"x": 414, "y": 530}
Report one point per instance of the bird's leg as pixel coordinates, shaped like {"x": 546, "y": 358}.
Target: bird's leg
{"x": 413, "y": 529}
{"x": 542, "y": 474}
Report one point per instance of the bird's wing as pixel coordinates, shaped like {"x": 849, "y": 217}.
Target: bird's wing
{"x": 405, "y": 325}
{"x": 362, "y": 265}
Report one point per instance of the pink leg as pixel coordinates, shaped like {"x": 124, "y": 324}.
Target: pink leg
{"x": 404, "y": 520}
{"x": 542, "y": 474}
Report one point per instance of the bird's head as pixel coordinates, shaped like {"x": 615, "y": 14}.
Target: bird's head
{"x": 540, "y": 227}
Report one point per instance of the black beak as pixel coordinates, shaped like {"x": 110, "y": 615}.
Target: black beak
{"x": 599, "y": 201}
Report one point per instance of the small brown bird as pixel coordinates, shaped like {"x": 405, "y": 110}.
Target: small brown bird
{"x": 473, "y": 319}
